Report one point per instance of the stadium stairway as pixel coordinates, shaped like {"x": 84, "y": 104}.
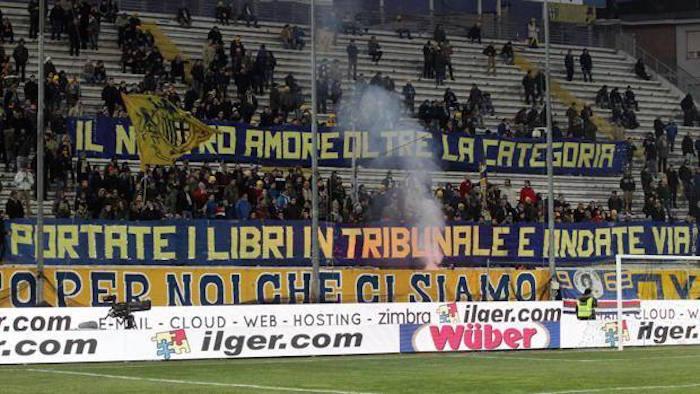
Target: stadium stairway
{"x": 402, "y": 60}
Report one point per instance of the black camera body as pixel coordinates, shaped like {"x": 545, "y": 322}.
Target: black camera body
{"x": 123, "y": 311}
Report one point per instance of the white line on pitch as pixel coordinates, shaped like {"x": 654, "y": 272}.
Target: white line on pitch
{"x": 624, "y": 388}
{"x": 193, "y": 382}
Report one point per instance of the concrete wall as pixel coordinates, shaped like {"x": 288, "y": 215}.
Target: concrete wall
{"x": 682, "y": 36}
{"x": 659, "y": 40}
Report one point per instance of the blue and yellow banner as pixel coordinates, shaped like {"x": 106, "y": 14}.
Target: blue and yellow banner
{"x": 653, "y": 283}
{"x": 170, "y": 286}
{"x": 288, "y": 243}
{"x": 290, "y": 146}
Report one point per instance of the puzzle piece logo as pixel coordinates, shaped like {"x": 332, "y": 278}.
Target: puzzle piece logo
{"x": 171, "y": 342}
{"x": 447, "y": 313}
{"x": 610, "y": 331}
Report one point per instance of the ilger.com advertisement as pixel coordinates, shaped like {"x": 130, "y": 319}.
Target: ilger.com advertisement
{"x": 45, "y": 335}
{"x": 656, "y": 323}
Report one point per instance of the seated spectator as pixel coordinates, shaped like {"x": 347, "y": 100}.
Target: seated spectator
{"x": 184, "y": 18}
{"x": 474, "y": 33}
{"x": 439, "y": 35}
{"x": 401, "y": 28}
{"x": 374, "y": 50}
{"x": 641, "y": 71}
{"x": 177, "y": 69}
{"x": 100, "y": 74}
{"x": 298, "y": 38}
{"x": 602, "y": 98}
{"x": 630, "y": 100}
{"x": 507, "y": 53}
{"x": 77, "y": 110}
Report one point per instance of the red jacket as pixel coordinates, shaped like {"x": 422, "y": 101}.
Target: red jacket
{"x": 528, "y": 192}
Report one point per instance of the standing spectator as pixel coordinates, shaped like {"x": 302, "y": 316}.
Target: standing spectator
{"x": 409, "y": 97}
{"x": 446, "y": 51}
{"x": 222, "y": 13}
{"x": 671, "y": 133}
{"x": 690, "y": 111}
{"x": 428, "y": 60}
{"x": 6, "y": 31}
{"x": 630, "y": 99}
{"x": 662, "y": 151}
{"x": 533, "y": 33}
{"x": 650, "y": 153}
{"x": 474, "y": 33}
{"x": 31, "y": 90}
{"x": 74, "y": 37}
{"x": 672, "y": 179}
{"x": 697, "y": 149}
{"x": 627, "y": 185}
{"x": 352, "y": 59}
{"x": 507, "y": 53}
{"x": 24, "y": 182}
{"x": 286, "y": 36}
{"x": 490, "y": 53}
{"x": 569, "y": 64}
{"x": 586, "y": 66}
{"x": 248, "y": 15}
{"x": 374, "y": 49}
{"x": 529, "y": 87}
{"x": 110, "y": 95}
{"x": 93, "y": 31}
{"x": 687, "y": 148}
{"x": 56, "y": 16}
{"x": 21, "y": 56}
{"x": 439, "y": 35}
{"x": 33, "y": 10}
{"x": 184, "y": 17}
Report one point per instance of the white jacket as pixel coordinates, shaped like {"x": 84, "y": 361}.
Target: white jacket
{"x": 24, "y": 180}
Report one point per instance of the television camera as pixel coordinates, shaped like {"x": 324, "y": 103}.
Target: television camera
{"x": 123, "y": 311}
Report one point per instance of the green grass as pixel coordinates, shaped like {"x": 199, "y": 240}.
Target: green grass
{"x": 635, "y": 370}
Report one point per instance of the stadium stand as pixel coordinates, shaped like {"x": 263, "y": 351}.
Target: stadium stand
{"x": 402, "y": 61}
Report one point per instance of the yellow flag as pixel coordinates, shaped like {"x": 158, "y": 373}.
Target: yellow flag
{"x": 163, "y": 132}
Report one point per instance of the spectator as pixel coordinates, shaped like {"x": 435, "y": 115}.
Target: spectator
{"x": 14, "y": 208}
{"x": 490, "y": 53}
{"x": 569, "y": 65}
{"x": 110, "y": 95}
{"x": 630, "y": 99}
{"x": 474, "y": 33}
{"x": 641, "y": 71}
{"x": 401, "y": 28}
{"x": 445, "y": 49}
{"x": 602, "y": 98}
{"x": 222, "y": 13}
{"x": 529, "y": 87}
{"x": 428, "y": 60}
{"x": 24, "y": 183}
{"x": 628, "y": 186}
{"x": 33, "y": 10}
{"x": 662, "y": 149}
{"x": 507, "y": 53}
{"x": 31, "y": 90}
{"x": 527, "y": 194}
{"x": 586, "y": 66}
{"x": 697, "y": 147}
{"x": 286, "y": 36}
{"x": 177, "y": 69}
{"x": 352, "y": 52}
{"x": 21, "y": 56}
{"x": 93, "y": 31}
{"x": 409, "y": 97}
{"x": 74, "y": 37}
{"x": 6, "y": 31}
{"x": 615, "y": 202}
{"x": 298, "y": 38}
{"x": 673, "y": 182}
{"x": 248, "y": 15}
{"x": 439, "y": 35}
{"x": 687, "y": 148}
{"x": 671, "y": 133}
{"x": 533, "y": 33}
{"x": 57, "y": 16}
{"x": 690, "y": 111}
{"x": 374, "y": 50}
{"x": 184, "y": 17}
{"x": 100, "y": 73}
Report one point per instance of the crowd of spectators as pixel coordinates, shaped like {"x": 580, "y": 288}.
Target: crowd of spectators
{"x": 114, "y": 191}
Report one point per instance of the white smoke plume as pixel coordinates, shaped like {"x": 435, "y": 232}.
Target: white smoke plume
{"x": 376, "y": 110}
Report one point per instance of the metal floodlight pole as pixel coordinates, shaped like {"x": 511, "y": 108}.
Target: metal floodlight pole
{"x": 315, "y": 257}
{"x": 40, "y": 160}
{"x": 550, "y": 168}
